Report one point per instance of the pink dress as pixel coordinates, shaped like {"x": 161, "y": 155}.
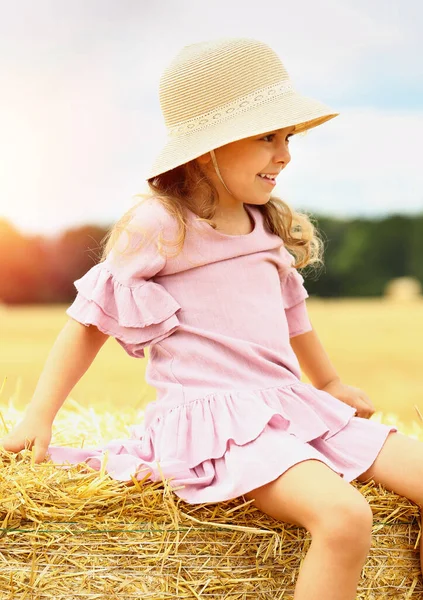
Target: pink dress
{"x": 231, "y": 413}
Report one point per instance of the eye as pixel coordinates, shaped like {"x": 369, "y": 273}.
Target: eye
{"x": 266, "y": 137}
{"x": 270, "y": 137}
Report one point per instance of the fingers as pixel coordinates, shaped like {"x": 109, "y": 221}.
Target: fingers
{"x": 16, "y": 445}
{"x": 365, "y": 408}
{"x": 40, "y": 450}
{"x": 368, "y": 406}
{"x": 365, "y": 411}
{"x": 13, "y": 445}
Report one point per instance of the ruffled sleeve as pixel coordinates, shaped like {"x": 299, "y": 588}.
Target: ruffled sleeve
{"x": 118, "y": 295}
{"x": 294, "y": 295}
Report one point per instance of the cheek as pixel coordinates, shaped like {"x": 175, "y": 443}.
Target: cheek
{"x": 241, "y": 163}
{"x": 239, "y": 167}
{"x": 246, "y": 173}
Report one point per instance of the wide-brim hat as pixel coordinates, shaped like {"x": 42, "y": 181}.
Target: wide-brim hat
{"x": 224, "y": 90}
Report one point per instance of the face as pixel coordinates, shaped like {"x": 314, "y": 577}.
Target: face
{"x": 241, "y": 163}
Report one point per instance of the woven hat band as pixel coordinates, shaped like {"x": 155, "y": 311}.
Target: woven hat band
{"x": 232, "y": 109}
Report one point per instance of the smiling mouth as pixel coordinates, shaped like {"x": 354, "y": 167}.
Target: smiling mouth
{"x": 271, "y": 182}
{"x": 268, "y": 175}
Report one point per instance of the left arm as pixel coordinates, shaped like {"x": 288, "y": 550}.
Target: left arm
{"x": 316, "y": 364}
{"x": 313, "y": 359}
{"x": 310, "y": 353}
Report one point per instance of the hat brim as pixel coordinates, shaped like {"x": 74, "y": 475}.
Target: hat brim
{"x": 287, "y": 110}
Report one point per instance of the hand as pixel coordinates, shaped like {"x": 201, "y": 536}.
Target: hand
{"x": 352, "y": 396}
{"x": 30, "y": 432}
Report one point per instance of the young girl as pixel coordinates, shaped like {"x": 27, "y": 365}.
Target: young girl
{"x": 225, "y": 319}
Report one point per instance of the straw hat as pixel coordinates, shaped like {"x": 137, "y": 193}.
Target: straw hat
{"x": 224, "y": 90}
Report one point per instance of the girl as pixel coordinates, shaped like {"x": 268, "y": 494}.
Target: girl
{"x": 225, "y": 318}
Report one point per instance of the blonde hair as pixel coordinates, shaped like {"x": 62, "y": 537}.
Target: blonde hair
{"x": 176, "y": 190}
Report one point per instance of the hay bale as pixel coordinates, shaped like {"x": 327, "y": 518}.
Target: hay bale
{"x": 75, "y": 533}
{"x": 403, "y": 289}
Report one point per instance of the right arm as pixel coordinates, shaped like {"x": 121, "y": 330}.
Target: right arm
{"x": 133, "y": 309}
{"x": 72, "y": 353}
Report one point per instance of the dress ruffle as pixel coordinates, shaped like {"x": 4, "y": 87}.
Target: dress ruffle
{"x": 200, "y": 429}
{"x": 293, "y": 290}
{"x": 190, "y": 438}
{"x": 136, "y": 316}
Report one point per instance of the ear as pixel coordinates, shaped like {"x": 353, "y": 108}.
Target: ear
{"x": 204, "y": 158}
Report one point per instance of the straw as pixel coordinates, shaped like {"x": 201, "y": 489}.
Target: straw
{"x": 76, "y": 533}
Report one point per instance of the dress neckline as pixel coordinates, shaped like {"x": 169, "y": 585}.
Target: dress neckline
{"x": 253, "y": 217}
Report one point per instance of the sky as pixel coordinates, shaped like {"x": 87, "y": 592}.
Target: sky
{"x": 80, "y": 120}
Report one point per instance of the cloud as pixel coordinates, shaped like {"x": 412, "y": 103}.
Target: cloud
{"x": 80, "y": 117}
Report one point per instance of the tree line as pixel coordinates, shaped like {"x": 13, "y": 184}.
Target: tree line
{"x": 361, "y": 257}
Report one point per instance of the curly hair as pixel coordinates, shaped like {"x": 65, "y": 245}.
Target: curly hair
{"x": 176, "y": 189}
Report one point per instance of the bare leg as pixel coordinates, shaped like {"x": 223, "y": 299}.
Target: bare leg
{"x": 398, "y": 468}
{"x": 339, "y": 518}
{"x": 328, "y": 573}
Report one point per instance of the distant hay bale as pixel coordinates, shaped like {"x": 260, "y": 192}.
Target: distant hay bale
{"x": 75, "y": 533}
{"x": 403, "y": 289}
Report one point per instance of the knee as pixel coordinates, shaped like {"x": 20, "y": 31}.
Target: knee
{"x": 348, "y": 526}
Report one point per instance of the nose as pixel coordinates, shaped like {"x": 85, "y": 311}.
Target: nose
{"x": 282, "y": 154}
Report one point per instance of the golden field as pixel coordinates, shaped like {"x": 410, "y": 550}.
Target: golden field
{"x": 376, "y": 344}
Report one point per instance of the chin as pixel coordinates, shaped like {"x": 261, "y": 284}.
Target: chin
{"x": 260, "y": 202}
